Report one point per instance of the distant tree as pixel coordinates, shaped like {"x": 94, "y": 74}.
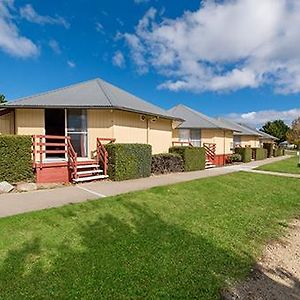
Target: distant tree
{"x": 2, "y": 99}
{"x": 276, "y": 128}
{"x": 293, "y": 136}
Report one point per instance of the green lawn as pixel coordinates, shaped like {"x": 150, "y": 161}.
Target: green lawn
{"x": 289, "y": 165}
{"x": 182, "y": 241}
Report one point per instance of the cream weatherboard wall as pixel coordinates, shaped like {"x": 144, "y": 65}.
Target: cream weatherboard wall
{"x": 250, "y": 141}
{"x": 29, "y": 121}
{"x": 222, "y": 138}
{"x": 7, "y": 123}
{"x": 100, "y": 124}
{"x": 160, "y": 135}
{"x": 132, "y": 128}
{"x": 128, "y": 127}
{"x": 125, "y": 127}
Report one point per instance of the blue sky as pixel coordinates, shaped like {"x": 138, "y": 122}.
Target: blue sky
{"x": 222, "y": 58}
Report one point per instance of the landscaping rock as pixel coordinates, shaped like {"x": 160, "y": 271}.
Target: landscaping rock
{"x": 26, "y": 187}
{"x": 5, "y": 187}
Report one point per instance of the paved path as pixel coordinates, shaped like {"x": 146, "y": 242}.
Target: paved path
{"x": 17, "y": 203}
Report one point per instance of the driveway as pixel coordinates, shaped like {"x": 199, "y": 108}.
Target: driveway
{"x": 17, "y": 203}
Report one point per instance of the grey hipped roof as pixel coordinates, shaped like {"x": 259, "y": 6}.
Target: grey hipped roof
{"x": 195, "y": 119}
{"x": 90, "y": 94}
{"x": 240, "y": 129}
{"x": 267, "y": 136}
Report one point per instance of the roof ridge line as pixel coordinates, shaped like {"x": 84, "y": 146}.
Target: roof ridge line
{"x": 208, "y": 119}
{"x": 52, "y": 91}
{"x": 104, "y": 91}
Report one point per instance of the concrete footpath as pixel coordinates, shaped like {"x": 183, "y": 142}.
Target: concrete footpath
{"x": 17, "y": 203}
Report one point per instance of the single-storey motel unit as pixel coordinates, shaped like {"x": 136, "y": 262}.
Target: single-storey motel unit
{"x": 203, "y": 131}
{"x": 245, "y": 136}
{"x": 70, "y": 126}
{"x": 73, "y": 124}
{"x": 89, "y": 110}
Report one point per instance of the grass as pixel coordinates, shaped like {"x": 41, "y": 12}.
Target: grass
{"x": 289, "y": 165}
{"x": 182, "y": 241}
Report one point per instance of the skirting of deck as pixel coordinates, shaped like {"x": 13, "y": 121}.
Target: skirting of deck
{"x": 55, "y": 171}
{"x": 220, "y": 159}
{"x": 52, "y": 173}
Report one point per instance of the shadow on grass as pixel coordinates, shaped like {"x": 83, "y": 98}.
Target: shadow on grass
{"x": 138, "y": 257}
{"x": 267, "y": 284}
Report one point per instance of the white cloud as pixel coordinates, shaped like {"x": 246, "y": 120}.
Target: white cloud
{"x": 11, "y": 40}
{"x": 258, "y": 118}
{"x": 222, "y": 46}
{"x": 28, "y": 13}
{"x": 141, "y": 1}
{"x": 53, "y": 44}
{"x": 99, "y": 27}
{"x": 71, "y": 64}
{"x": 118, "y": 59}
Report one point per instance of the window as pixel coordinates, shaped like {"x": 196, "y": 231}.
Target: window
{"x": 236, "y": 140}
{"x": 190, "y": 135}
{"x": 195, "y": 137}
{"x": 184, "y": 135}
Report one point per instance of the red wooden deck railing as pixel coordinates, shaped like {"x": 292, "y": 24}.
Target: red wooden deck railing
{"x": 102, "y": 155}
{"x": 40, "y": 143}
{"x": 210, "y": 151}
{"x": 55, "y": 145}
{"x": 72, "y": 159}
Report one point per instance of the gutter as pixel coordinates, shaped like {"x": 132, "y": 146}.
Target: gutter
{"x": 7, "y": 106}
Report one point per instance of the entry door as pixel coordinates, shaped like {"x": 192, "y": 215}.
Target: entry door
{"x": 77, "y": 130}
{"x": 195, "y": 137}
{"x": 55, "y": 125}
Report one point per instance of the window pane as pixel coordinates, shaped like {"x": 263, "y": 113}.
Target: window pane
{"x": 184, "y": 135}
{"x": 77, "y": 120}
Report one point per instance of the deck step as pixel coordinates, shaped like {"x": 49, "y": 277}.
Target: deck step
{"x": 89, "y": 172}
{"x": 90, "y": 178}
{"x": 88, "y": 166}
{"x": 210, "y": 166}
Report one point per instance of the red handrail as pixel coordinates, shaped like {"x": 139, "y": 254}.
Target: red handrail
{"x": 72, "y": 159}
{"x": 40, "y": 144}
{"x": 102, "y": 155}
{"x": 210, "y": 151}
{"x": 39, "y": 148}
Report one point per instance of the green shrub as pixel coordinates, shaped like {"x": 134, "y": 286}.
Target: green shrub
{"x": 166, "y": 163}
{"x": 236, "y": 157}
{"x": 260, "y": 153}
{"x": 128, "y": 161}
{"x": 15, "y": 158}
{"x": 193, "y": 157}
{"x": 278, "y": 152}
{"x": 246, "y": 153}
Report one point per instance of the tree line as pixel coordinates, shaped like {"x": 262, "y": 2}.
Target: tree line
{"x": 283, "y": 132}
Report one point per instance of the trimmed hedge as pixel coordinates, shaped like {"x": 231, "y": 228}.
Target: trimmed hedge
{"x": 15, "y": 158}
{"x": 128, "y": 161}
{"x": 246, "y": 153}
{"x": 260, "y": 153}
{"x": 269, "y": 147}
{"x": 278, "y": 152}
{"x": 166, "y": 163}
{"x": 193, "y": 157}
